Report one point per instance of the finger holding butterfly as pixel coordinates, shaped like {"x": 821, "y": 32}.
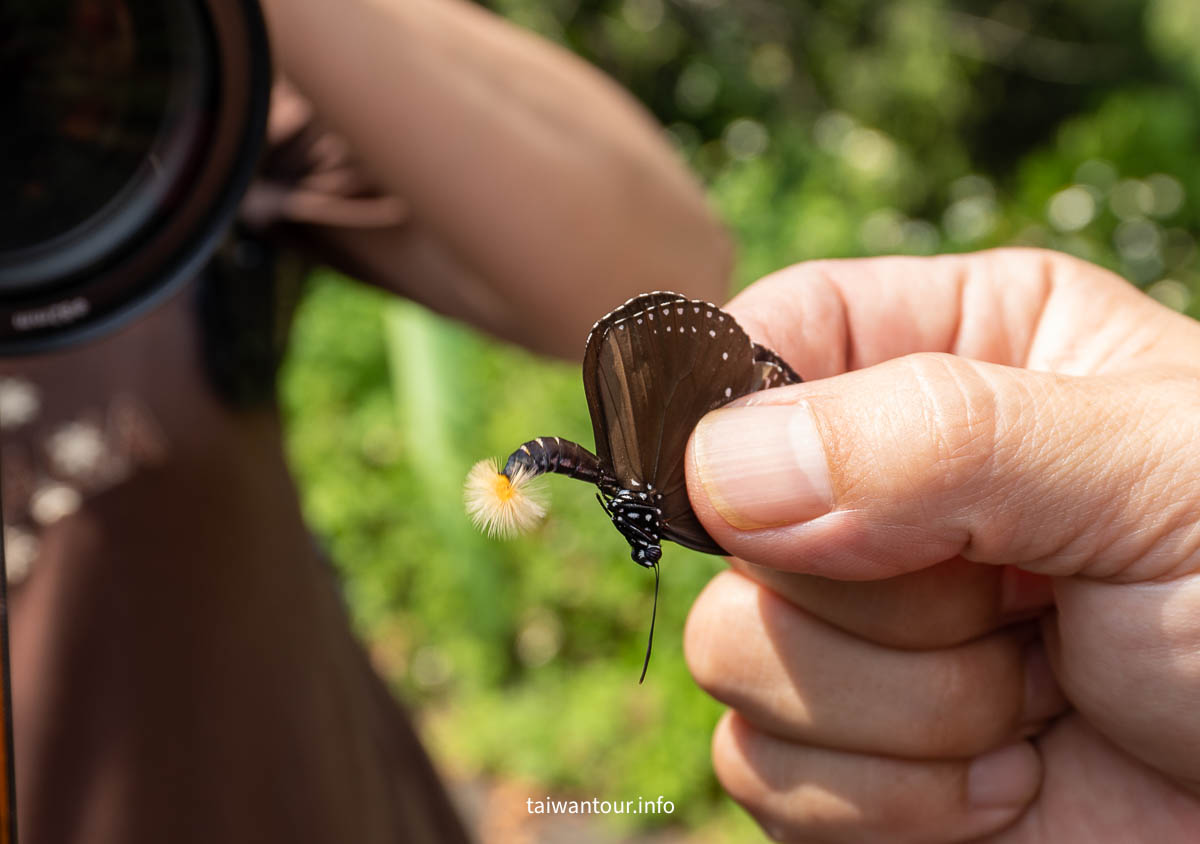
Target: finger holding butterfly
{"x": 1014, "y": 375}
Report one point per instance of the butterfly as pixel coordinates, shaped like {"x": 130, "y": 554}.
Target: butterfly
{"x": 651, "y": 369}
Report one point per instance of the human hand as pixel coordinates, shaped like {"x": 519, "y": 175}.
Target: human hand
{"x": 969, "y": 607}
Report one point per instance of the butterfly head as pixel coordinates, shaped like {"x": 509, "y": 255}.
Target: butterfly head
{"x": 646, "y": 555}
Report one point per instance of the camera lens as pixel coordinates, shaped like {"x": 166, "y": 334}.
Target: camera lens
{"x": 106, "y": 117}
{"x": 131, "y": 130}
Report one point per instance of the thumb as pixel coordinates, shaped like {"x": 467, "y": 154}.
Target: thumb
{"x": 905, "y": 464}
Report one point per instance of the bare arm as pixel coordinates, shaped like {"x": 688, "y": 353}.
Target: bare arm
{"x": 539, "y": 193}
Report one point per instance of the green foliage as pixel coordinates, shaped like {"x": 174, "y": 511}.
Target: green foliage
{"x": 529, "y": 650}
{"x": 832, "y": 128}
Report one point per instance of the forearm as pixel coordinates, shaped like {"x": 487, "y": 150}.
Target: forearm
{"x": 539, "y": 175}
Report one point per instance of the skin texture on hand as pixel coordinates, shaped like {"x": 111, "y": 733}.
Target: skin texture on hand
{"x": 966, "y": 604}
{"x": 538, "y": 194}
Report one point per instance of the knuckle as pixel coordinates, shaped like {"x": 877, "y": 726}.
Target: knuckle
{"x": 730, "y": 764}
{"x": 956, "y": 418}
{"x": 736, "y": 751}
{"x": 1052, "y": 266}
{"x": 705, "y": 643}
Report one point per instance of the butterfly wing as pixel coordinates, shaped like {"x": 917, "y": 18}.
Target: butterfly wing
{"x": 652, "y": 368}
{"x": 684, "y": 528}
{"x": 771, "y": 370}
{"x": 604, "y": 410}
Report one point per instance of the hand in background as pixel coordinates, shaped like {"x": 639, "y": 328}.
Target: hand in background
{"x": 969, "y": 606}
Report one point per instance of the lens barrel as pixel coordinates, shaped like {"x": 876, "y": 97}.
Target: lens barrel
{"x": 135, "y": 126}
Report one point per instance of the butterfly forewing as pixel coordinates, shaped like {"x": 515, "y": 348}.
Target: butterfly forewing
{"x": 609, "y": 423}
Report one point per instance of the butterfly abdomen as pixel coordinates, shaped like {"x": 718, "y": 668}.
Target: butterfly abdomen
{"x": 506, "y": 502}
{"x": 553, "y": 454}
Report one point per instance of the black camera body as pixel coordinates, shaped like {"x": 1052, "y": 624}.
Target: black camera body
{"x": 136, "y": 127}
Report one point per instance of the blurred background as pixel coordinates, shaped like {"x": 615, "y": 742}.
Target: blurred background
{"x": 822, "y": 128}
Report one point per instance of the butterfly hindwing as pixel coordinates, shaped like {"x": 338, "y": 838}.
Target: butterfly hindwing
{"x": 685, "y": 529}
{"x": 772, "y": 370}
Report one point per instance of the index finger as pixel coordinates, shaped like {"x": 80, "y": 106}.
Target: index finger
{"x": 1014, "y": 307}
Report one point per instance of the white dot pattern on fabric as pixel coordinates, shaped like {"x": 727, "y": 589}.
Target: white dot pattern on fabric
{"x": 20, "y": 550}
{"x": 20, "y": 402}
{"x": 77, "y": 448}
{"x": 53, "y": 502}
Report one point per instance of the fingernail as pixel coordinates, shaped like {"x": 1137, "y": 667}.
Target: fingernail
{"x": 763, "y": 466}
{"x": 1003, "y": 778}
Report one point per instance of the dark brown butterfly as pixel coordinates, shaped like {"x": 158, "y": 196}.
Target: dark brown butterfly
{"x": 651, "y": 369}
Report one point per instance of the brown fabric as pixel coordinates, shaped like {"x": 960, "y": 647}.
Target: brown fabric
{"x": 183, "y": 669}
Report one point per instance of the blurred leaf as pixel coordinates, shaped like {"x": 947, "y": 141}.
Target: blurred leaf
{"x": 824, "y": 128}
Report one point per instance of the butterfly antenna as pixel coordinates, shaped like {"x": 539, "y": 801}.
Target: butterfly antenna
{"x": 650, "y": 641}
